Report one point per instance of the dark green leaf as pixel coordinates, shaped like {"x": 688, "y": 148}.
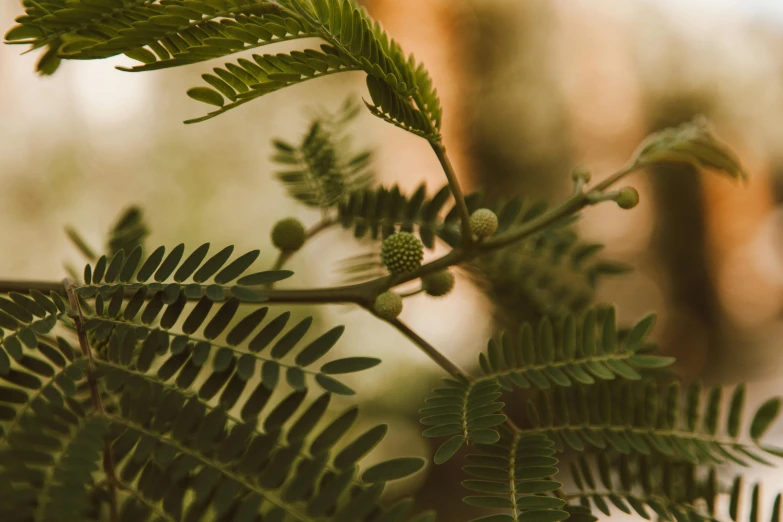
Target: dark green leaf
{"x": 349, "y": 365}
{"x": 320, "y": 347}
{"x": 360, "y": 447}
{"x": 764, "y": 417}
{"x": 265, "y": 278}
{"x": 237, "y": 267}
{"x": 392, "y": 469}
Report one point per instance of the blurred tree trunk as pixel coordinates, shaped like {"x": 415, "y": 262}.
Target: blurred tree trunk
{"x": 693, "y": 333}
{"x": 518, "y": 141}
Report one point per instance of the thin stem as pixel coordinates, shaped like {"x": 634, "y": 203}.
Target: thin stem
{"x": 440, "y": 359}
{"x": 456, "y": 191}
{"x": 25, "y": 287}
{"x": 108, "y": 460}
{"x": 617, "y": 176}
{"x": 444, "y": 362}
{"x": 512, "y": 483}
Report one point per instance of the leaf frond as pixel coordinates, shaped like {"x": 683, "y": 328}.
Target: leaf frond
{"x": 166, "y": 446}
{"x": 166, "y": 278}
{"x": 321, "y": 170}
{"x": 23, "y": 318}
{"x": 244, "y": 80}
{"x": 570, "y": 352}
{"x": 636, "y": 485}
{"x": 515, "y": 476}
{"x": 640, "y": 418}
{"x": 52, "y": 447}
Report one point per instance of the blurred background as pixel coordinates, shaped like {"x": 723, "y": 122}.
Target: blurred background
{"x": 530, "y": 90}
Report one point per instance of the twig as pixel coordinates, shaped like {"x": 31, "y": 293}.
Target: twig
{"x": 25, "y": 287}
{"x": 440, "y": 359}
{"x": 108, "y": 460}
{"x": 443, "y": 361}
{"x": 456, "y": 191}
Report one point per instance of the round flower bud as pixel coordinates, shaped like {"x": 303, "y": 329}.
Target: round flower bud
{"x": 388, "y": 305}
{"x": 627, "y": 198}
{"x": 402, "y": 252}
{"x": 288, "y": 234}
{"x": 483, "y": 223}
{"x": 581, "y": 173}
{"x": 438, "y": 284}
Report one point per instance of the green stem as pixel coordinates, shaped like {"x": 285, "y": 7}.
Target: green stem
{"x": 456, "y": 191}
{"x": 512, "y": 469}
{"x": 443, "y": 361}
{"x": 440, "y": 359}
{"x": 108, "y": 460}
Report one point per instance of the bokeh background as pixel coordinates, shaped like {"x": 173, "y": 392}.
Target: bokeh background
{"x": 530, "y": 90}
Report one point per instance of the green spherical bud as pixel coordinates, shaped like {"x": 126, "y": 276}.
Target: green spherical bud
{"x": 483, "y": 223}
{"x": 438, "y": 284}
{"x": 581, "y": 174}
{"x": 289, "y": 234}
{"x": 402, "y": 252}
{"x": 627, "y": 198}
{"x": 388, "y": 305}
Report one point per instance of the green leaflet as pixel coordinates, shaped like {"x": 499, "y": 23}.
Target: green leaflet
{"x": 22, "y": 319}
{"x": 508, "y": 479}
{"x": 134, "y": 275}
{"x": 649, "y": 487}
{"x": 238, "y": 83}
{"x": 174, "y": 34}
{"x": 467, "y": 411}
{"x": 321, "y": 169}
{"x": 183, "y": 357}
{"x": 158, "y": 433}
{"x": 578, "y": 359}
{"x": 607, "y": 415}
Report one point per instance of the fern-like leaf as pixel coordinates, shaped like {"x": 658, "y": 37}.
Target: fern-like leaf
{"x": 573, "y": 353}
{"x": 321, "y": 170}
{"x": 466, "y": 411}
{"x": 22, "y": 319}
{"x": 227, "y": 363}
{"x": 634, "y": 485}
{"x": 167, "y": 445}
{"x": 641, "y": 419}
{"x": 400, "y": 88}
{"x": 50, "y": 446}
{"x": 380, "y": 212}
{"x": 469, "y": 411}
{"x": 179, "y": 32}
{"x": 160, "y": 35}
{"x": 167, "y": 276}
{"x": 515, "y": 476}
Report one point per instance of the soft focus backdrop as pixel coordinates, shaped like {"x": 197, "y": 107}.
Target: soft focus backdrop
{"x": 530, "y": 90}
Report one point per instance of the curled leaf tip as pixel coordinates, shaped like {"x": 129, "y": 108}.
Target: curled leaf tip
{"x": 693, "y": 143}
